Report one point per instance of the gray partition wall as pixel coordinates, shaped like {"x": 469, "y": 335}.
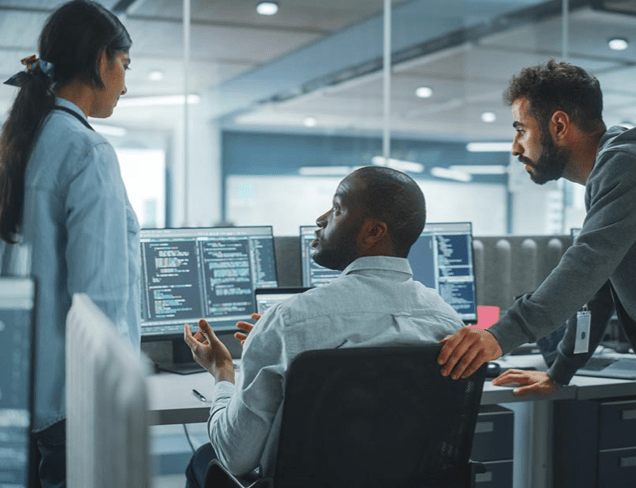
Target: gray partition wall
{"x": 508, "y": 266}
{"x": 505, "y": 266}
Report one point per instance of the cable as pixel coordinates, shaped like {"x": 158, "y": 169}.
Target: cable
{"x": 185, "y": 429}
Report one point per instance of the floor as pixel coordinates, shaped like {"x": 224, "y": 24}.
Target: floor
{"x": 169, "y": 481}
{"x": 172, "y": 447}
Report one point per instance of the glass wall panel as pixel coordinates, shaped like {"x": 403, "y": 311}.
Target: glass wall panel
{"x": 297, "y": 98}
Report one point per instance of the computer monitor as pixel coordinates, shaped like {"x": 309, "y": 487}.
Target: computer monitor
{"x": 17, "y": 353}
{"x": 268, "y": 297}
{"x": 210, "y": 273}
{"x": 442, "y": 258}
{"x": 313, "y": 273}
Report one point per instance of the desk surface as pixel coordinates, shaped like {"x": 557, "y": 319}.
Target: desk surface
{"x": 172, "y": 401}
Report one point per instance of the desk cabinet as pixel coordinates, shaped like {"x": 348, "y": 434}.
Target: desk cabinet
{"x": 493, "y": 446}
{"x": 595, "y": 443}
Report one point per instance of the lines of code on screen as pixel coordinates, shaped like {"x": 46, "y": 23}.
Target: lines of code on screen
{"x": 187, "y": 277}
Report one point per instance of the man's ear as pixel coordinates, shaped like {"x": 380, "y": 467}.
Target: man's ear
{"x": 373, "y": 231}
{"x": 560, "y": 125}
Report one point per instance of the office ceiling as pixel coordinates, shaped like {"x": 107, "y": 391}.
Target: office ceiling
{"x": 321, "y": 59}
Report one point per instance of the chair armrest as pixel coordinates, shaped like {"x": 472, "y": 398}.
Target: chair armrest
{"x": 218, "y": 476}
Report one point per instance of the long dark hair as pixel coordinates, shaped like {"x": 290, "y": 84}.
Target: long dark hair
{"x": 73, "y": 39}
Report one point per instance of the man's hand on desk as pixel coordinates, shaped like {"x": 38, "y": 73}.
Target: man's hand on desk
{"x": 466, "y": 351}
{"x": 247, "y": 327}
{"x": 537, "y": 382}
{"x": 210, "y": 352}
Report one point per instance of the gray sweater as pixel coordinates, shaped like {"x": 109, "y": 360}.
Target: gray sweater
{"x": 605, "y": 250}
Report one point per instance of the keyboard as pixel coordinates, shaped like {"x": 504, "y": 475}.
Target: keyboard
{"x": 623, "y": 368}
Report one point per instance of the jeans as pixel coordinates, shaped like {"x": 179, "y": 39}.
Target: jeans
{"x": 51, "y": 447}
{"x": 195, "y": 472}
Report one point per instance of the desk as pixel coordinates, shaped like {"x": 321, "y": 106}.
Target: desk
{"x": 172, "y": 402}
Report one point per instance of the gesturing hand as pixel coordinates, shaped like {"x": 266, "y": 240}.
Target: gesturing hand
{"x": 209, "y": 351}
{"x": 247, "y": 327}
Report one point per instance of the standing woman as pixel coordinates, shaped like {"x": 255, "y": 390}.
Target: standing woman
{"x": 62, "y": 196}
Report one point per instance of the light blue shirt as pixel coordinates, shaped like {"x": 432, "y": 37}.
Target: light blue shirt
{"x": 375, "y": 301}
{"x": 83, "y": 237}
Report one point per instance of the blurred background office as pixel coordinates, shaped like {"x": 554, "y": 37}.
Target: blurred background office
{"x": 285, "y": 98}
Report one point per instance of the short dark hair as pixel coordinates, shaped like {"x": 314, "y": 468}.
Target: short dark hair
{"x": 396, "y": 199}
{"x": 560, "y": 86}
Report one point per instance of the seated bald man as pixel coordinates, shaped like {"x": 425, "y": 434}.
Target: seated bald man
{"x": 376, "y": 215}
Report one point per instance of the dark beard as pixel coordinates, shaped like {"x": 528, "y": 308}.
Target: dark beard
{"x": 551, "y": 162}
{"x": 342, "y": 251}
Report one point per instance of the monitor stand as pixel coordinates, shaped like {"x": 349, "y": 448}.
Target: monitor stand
{"x": 182, "y": 362}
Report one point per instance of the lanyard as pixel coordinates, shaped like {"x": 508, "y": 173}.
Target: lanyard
{"x": 74, "y": 114}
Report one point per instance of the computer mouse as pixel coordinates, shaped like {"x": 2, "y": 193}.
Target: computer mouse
{"x": 493, "y": 370}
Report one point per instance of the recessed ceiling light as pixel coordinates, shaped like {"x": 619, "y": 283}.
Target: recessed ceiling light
{"x": 489, "y": 117}
{"x": 424, "y": 92}
{"x": 618, "y": 44}
{"x": 155, "y": 75}
{"x": 310, "y": 122}
{"x": 267, "y": 8}
{"x": 489, "y": 146}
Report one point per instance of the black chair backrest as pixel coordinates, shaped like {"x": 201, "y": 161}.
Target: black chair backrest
{"x": 381, "y": 416}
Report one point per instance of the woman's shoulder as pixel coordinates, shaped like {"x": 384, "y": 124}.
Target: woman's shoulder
{"x": 65, "y": 147}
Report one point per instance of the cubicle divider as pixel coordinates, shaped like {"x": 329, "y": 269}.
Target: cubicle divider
{"x": 508, "y": 266}
{"x": 107, "y": 404}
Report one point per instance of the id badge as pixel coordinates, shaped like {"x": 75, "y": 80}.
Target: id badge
{"x": 582, "y": 342}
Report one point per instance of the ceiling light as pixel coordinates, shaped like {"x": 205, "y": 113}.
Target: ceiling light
{"x": 398, "y": 164}
{"x": 489, "y": 146}
{"x": 109, "y": 130}
{"x": 324, "y": 170}
{"x": 267, "y": 8}
{"x": 166, "y": 100}
{"x": 424, "y": 92}
{"x": 480, "y": 169}
{"x": 618, "y": 44}
{"x": 451, "y": 174}
{"x": 155, "y": 75}
{"x": 489, "y": 117}
{"x": 310, "y": 122}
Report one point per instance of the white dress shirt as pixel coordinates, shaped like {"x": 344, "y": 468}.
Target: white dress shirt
{"x": 374, "y": 302}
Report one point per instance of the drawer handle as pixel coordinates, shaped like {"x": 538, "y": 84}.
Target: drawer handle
{"x": 628, "y": 414}
{"x": 627, "y": 462}
{"x": 483, "y": 477}
{"x": 482, "y": 427}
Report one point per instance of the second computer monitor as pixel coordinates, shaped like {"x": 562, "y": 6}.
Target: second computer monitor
{"x": 442, "y": 258}
{"x": 209, "y": 273}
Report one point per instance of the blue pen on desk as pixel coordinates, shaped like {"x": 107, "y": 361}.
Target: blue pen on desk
{"x": 198, "y": 395}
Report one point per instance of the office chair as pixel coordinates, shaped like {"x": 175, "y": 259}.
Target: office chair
{"x": 372, "y": 417}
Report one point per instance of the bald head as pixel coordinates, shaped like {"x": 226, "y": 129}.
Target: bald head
{"x": 394, "y": 198}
